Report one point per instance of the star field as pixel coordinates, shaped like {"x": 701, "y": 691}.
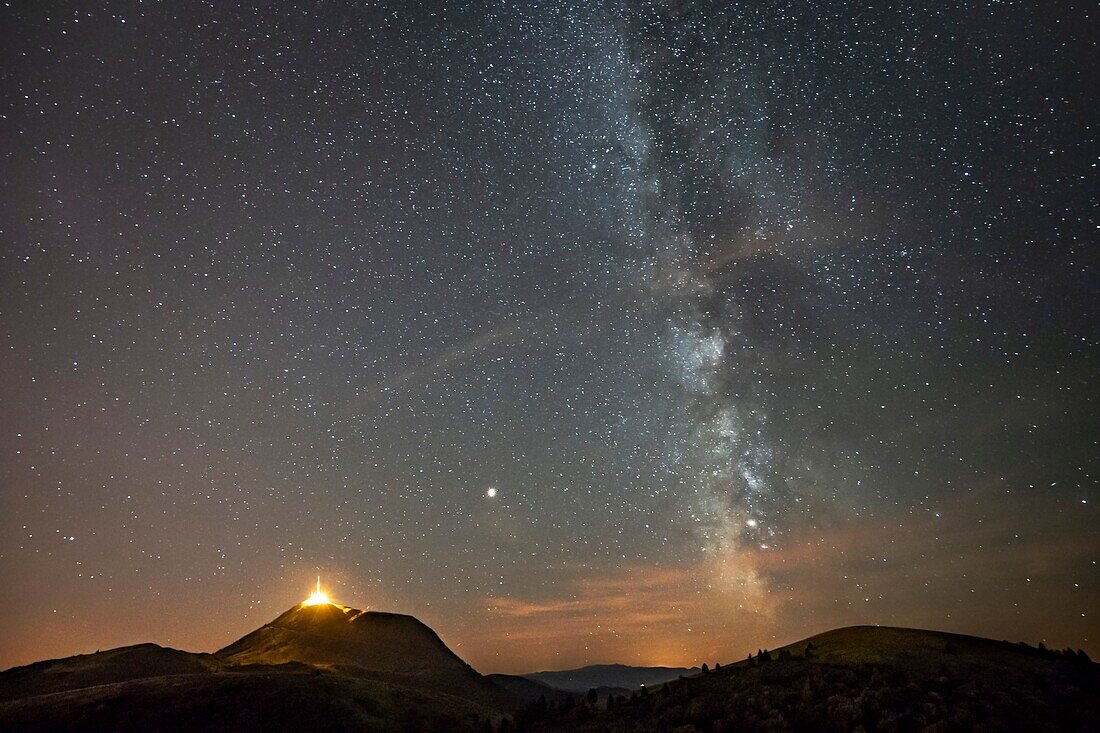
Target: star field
{"x": 640, "y": 332}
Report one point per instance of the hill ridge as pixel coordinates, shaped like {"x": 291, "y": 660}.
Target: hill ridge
{"x": 862, "y": 675}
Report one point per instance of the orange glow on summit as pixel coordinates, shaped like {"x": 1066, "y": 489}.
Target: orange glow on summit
{"x": 317, "y": 597}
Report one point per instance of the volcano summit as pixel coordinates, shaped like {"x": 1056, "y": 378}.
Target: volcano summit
{"x": 389, "y": 646}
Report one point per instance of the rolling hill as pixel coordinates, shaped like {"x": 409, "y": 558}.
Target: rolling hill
{"x": 864, "y": 678}
{"x": 101, "y": 668}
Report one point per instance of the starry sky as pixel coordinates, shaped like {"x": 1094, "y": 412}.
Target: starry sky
{"x": 648, "y": 332}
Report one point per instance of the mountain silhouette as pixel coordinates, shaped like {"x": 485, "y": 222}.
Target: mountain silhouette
{"x": 327, "y": 634}
{"x": 332, "y": 668}
{"x": 389, "y": 647}
{"x": 314, "y": 666}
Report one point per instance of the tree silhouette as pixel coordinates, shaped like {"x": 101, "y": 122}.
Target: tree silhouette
{"x": 592, "y": 697}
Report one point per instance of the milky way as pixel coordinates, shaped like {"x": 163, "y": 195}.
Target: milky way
{"x": 651, "y": 333}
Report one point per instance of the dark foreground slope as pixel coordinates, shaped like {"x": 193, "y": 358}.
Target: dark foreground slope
{"x": 864, "y": 678}
{"x": 315, "y": 667}
{"x": 289, "y": 697}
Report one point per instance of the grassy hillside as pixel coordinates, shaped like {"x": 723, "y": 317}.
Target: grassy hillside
{"x": 868, "y": 679}
{"x": 101, "y": 668}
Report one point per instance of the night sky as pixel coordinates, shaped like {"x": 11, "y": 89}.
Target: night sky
{"x": 650, "y": 332}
